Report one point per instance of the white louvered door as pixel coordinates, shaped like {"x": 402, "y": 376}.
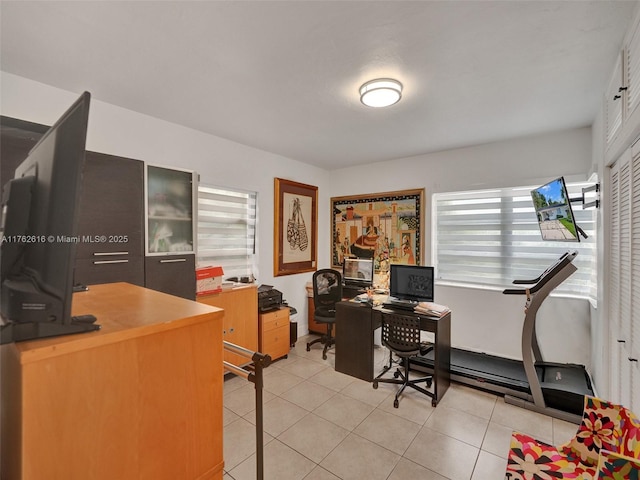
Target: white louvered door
{"x": 624, "y": 279}
{"x": 632, "y": 71}
{"x": 633, "y": 349}
{"x": 614, "y": 285}
{"x": 613, "y": 104}
{"x": 625, "y": 250}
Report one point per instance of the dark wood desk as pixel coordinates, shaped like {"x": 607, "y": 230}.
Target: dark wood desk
{"x": 321, "y": 328}
{"x": 355, "y": 324}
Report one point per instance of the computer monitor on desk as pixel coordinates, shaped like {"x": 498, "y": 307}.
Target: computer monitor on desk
{"x": 357, "y": 272}
{"x": 410, "y": 284}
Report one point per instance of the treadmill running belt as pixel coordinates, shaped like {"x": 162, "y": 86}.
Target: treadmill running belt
{"x": 502, "y": 371}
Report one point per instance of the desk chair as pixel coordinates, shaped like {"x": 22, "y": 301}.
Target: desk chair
{"x": 401, "y": 335}
{"x": 327, "y": 291}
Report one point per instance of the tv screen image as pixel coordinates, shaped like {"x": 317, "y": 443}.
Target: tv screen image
{"x": 358, "y": 270}
{"x": 411, "y": 282}
{"x": 553, "y": 209}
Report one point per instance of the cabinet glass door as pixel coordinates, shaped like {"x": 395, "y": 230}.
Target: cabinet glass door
{"x": 170, "y": 211}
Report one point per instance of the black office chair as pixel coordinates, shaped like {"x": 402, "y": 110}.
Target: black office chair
{"x": 327, "y": 291}
{"x": 401, "y": 335}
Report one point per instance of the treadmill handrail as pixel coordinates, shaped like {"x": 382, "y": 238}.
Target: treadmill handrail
{"x": 527, "y": 282}
{"x": 515, "y": 291}
{"x": 548, "y": 274}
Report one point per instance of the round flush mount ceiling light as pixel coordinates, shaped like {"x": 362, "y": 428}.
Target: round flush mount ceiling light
{"x": 381, "y": 92}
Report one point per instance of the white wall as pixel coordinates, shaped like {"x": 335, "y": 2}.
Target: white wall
{"x": 487, "y": 320}
{"x": 483, "y": 320}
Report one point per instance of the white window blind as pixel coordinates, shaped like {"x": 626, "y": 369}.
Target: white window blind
{"x": 488, "y": 238}
{"x": 227, "y": 230}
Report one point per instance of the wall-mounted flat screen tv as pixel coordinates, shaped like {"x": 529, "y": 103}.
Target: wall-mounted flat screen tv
{"x": 553, "y": 209}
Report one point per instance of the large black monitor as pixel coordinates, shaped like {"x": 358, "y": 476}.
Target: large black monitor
{"x": 411, "y": 282}
{"x": 39, "y": 233}
{"x": 358, "y": 272}
{"x": 553, "y": 209}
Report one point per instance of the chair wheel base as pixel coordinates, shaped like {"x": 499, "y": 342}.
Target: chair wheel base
{"x": 375, "y": 385}
{"x": 396, "y": 403}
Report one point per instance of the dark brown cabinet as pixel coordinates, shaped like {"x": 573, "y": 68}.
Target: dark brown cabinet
{"x": 171, "y": 207}
{"x": 170, "y": 221}
{"x": 111, "y": 205}
{"x": 173, "y": 274}
{"x": 111, "y": 221}
{"x": 111, "y": 226}
{"x": 94, "y": 271}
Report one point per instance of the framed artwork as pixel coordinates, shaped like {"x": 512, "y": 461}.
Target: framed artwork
{"x": 295, "y": 227}
{"x": 384, "y": 226}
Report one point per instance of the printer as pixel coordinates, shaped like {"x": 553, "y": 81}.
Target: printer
{"x": 268, "y": 298}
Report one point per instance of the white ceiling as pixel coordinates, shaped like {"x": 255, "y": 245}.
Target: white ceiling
{"x": 283, "y": 76}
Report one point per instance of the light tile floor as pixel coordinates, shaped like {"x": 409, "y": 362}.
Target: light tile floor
{"x": 323, "y": 425}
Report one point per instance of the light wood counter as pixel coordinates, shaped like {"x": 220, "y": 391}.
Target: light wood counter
{"x": 139, "y": 399}
{"x": 240, "y": 305}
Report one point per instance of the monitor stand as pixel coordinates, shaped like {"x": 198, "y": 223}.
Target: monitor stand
{"x": 18, "y": 331}
{"x": 29, "y": 313}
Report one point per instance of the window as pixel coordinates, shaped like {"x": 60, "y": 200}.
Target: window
{"x": 488, "y": 238}
{"x": 227, "y": 230}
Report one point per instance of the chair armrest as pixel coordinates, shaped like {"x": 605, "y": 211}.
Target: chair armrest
{"x": 613, "y": 466}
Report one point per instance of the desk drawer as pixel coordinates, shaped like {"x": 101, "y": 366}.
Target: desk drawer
{"x": 276, "y": 319}
{"x": 276, "y": 342}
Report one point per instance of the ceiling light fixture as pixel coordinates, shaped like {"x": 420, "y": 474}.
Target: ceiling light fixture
{"x": 381, "y": 92}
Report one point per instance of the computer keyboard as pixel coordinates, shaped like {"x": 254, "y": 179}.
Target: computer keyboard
{"x": 354, "y": 284}
{"x": 401, "y": 304}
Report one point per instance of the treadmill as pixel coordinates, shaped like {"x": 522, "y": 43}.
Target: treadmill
{"x": 554, "y": 389}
